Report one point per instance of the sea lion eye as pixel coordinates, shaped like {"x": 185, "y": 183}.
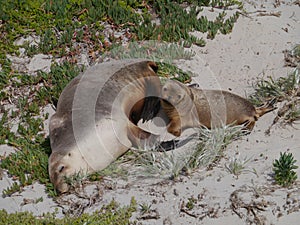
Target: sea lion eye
{"x": 69, "y": 154}
{"x": 179, "y": 96}
{"x": 61, "y": 169}
{"x": 165, "y": 89}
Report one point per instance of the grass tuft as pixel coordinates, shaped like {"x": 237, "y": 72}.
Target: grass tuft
{"x": 209, "y": 149}
{"x": 212, "y": 143}
{"x": 284, "y": 89}
{"x": 281, "y": 89}
{"x": 237, "y": 166}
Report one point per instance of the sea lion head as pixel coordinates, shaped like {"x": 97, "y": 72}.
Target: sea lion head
{"x": 173, "y": 92}
{"x": 64, "y": 166}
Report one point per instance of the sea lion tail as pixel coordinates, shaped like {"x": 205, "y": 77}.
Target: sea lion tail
{"x": 268, "y": 107}
{"x": 194, "y": 85}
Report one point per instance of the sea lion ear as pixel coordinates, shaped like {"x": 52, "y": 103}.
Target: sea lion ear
{"x": 153, "y": 66}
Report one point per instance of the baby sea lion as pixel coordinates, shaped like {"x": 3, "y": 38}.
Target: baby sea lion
{"x": 188, "y": 107}
{"x": 96, "y": 117}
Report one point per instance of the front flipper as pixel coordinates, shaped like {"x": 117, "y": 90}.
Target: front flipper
{"x": 151, "y": 108}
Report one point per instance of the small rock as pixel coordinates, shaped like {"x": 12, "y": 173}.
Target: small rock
{"x": 40, "y": 62}
{"x": 84, "y": 60}
{"x": 32, "y": 40}
{"x": 5, "y": 150}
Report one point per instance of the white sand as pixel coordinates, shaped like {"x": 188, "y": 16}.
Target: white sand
{"x": 254, "y": 50}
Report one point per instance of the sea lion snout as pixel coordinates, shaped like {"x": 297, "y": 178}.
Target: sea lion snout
{"x": 174, "y": 99}
{"x": 64, "y": 166}
{"x": 58, "y": 171}
{"x": 171, "y": 93}
{"x": 59, "y": 181}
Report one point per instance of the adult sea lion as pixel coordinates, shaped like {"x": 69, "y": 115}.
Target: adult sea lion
{"x": 96, "y": 117}
{"x": 188, "y": 107}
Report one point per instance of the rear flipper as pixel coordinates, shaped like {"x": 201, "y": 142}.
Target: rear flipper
{"x": 268, "y": 107}
{"x": 143, "y": 139}
{"x": 167, "y": 146}
{"x": 173, "y": 144}
{"x": 260, "y": 111}
{"x": 194, "y": 85}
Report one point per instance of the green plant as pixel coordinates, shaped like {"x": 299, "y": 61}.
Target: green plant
{"x": 65, "y": 26}
{"x": 292, "y": 57}
{"x": 173, "y": 72}
{"x": 157, "y": 51}
{"x": 76, "y": 179}
{"x": 281, "y": 89}
{"x": 28, "y": 165}
{"x": 173, "y": 29}
{"x": 284, "y": 89}
{"x": 283, "y": 169}
{"x": 108, "y": 215}
{"x": 191, "y": 203}
{"x": 5, "y": 133}
{"x": 30, "y": 161}
{"x": 293, "y": 113}
{"x": 296, "y": 51}
{"x": 145, "y": 208}
{"x": 4, "y": 73}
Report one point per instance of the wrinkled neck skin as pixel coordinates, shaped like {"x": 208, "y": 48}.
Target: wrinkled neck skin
{"x": 188, "y": 111}
{"x": 186, "y": 105}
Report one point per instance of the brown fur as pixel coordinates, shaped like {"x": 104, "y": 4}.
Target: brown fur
{"x": 188, "y": 107}
{"x": 96, "y": 116}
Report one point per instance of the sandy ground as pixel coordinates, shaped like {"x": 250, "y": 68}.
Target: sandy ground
{"x": 253, "y": 50}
